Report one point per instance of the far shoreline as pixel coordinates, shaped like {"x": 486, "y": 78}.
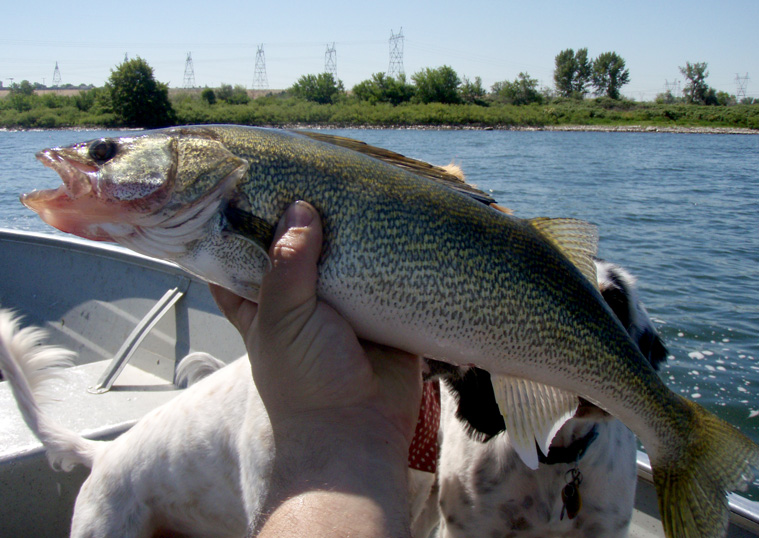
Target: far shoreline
{"x": 525, "y": 128}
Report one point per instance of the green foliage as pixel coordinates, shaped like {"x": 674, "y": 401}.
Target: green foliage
{"x": 609, "y": 74}
{"x": 572, "y": 73}
{"x": 22, "y": 88}
{"x": 321, "y": 88}
{"x": 384, "y": 102}
{"x": 725, "y": 99}
{"x": 209, "y": 96}
{"x": 696, "y": 90}
{"x": 383, "y": 89}
{"x": 234, "y": 96}
{"x": 473, "y": 92}
{"x": 439, "y": 85}
{"x": 138, "y": 100}
{"x": 523, "y": 91}
{"x": 666, "y": 98}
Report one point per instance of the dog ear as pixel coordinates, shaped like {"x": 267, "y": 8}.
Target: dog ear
{"x": 652, "y": 347}
{"x": 477, "y": 407}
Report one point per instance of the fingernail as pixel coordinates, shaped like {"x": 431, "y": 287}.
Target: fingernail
{"x": 299, "y": 215}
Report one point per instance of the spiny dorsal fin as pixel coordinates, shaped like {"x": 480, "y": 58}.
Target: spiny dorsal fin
{"x": 533, "y": 412}
{"x": 576, "y": 239}
{"x": 447, "y": 176}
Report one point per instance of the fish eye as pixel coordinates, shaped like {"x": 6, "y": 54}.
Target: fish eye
{"x": 102, "y": 150}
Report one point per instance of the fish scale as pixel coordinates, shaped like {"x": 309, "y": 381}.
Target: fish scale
{"x": 414, "y": 258}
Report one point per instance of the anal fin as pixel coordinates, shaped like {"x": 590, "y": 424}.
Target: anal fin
{"x": 533, "y": 412}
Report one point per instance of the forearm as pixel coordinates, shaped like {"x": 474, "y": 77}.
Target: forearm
{"x": 353, "y": 485}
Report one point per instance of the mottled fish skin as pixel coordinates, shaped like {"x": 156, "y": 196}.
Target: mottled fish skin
{"x": 415, "y": 265}
{"x": 418, "y": 266}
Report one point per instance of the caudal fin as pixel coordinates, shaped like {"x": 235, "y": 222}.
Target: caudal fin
{"x": 29, "y": 367}
{"x": 692, "y": 489}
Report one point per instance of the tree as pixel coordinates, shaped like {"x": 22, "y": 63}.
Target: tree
{"x": 696, "y": 90}
{"x": 234, "y": 96}
{"x": 609, "y": 74}
{"x": 522, "y": 91}
{"x": 322, "y": 88}
{"x": 383, "y": 89}
{"x": 138, "y": 100}
{"x": 208, "y": 95}
{"x": 572, "y": 73}
{"x": 23, "y": 88}
{"x": 440, "y": 85}
{"x": 473, "y": 92}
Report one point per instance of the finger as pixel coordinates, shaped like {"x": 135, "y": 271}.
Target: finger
{"x": 291, "y": 283}
{"x": 239, "y": 311}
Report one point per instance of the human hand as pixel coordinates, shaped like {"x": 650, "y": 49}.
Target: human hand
{"x": 305, "y": 357}
{"x": 342, "y": 411}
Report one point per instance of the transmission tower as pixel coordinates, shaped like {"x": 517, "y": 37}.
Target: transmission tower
{"x": 126, "y": 57}
{"x": 330, "y": 60}
{"x": 396, "y": 54}
{"x": 189, "y": 73}
{"x": 741, "y": 82}
{"x": 260, "y": 82}
{"x": 56, "y": 76}
{"x": 672, "y": 87}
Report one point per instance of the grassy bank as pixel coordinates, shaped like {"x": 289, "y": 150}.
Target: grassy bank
{"x": 90, "y": 109}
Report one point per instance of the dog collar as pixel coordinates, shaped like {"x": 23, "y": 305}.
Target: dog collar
{"x": 422, "y": 454}
{"x": 569, "y": 454}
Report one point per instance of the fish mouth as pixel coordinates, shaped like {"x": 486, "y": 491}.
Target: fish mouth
{"x": 76, "y": 176}
{"x": 74, "y": 206}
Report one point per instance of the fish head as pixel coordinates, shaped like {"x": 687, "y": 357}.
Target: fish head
{"x": 116, "y": 187}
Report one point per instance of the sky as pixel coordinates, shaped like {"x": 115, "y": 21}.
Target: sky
{"x": 493, "y": 40}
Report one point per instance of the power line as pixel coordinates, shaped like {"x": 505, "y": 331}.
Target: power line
{"x": 260, "y": 82}
{"x": 189, "y": 73}
{"x": 330, "y": 60}
{"x": 396, "y": 54}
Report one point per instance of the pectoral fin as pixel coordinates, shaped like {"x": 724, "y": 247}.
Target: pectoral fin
{"x": 533, "y": 412}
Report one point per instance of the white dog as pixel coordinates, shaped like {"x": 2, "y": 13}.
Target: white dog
{"x": 486, "y": 490}
{"x": 196, "y": 466}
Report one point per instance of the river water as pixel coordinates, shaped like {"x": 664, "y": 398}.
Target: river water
{"x": 679, "y": 211}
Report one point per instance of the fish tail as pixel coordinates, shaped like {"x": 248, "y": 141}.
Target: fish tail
{"x": 692, "y": 487}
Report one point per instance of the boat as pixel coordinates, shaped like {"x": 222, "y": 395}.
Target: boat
{"x": 130, "y": 319}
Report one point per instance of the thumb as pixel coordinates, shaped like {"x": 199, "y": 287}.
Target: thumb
{"x": 291, "y": 283}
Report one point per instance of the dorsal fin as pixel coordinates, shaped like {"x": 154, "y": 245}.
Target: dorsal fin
{"x": 452, "y": 179}
{"x": 576, "y": 239}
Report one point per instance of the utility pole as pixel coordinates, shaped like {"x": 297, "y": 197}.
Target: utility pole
{"x": 741, "y": 83}
{"x": 330, "y": 61}
{"x": 189, "y": 73}
{"x": 396, "y": 54}
{"x": 56, "y": 76}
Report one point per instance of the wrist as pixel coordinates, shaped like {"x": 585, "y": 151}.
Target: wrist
{"x": 358, "y": 469}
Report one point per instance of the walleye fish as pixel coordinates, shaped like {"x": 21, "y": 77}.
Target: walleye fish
{"x": 414, "y": 258}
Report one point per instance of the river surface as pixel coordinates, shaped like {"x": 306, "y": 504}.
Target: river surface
{"x": 679, "y": 211}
